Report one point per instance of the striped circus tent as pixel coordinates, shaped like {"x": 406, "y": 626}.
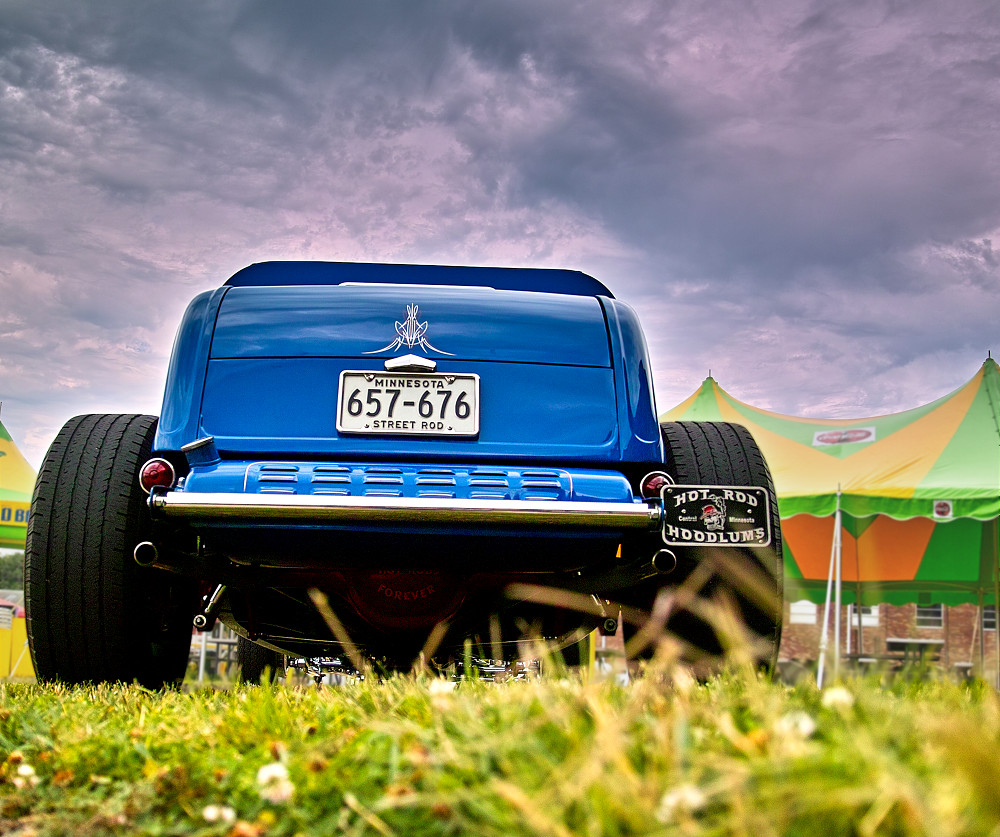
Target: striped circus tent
{"x": 916, "y": 494}
{"x": 17, "y": 481}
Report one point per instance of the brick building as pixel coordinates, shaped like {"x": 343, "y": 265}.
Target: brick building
{"x": 947, "y": 636}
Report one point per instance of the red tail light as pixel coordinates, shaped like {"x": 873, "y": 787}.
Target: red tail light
{"x": 652, "y": 483}
{"x": 157, "y": 473}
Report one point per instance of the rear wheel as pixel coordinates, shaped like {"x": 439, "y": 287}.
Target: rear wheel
{"x": 720, "y": 453}
{"x": 93, "y": 614}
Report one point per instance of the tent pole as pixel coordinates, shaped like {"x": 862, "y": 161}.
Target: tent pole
{"x": 996, "y": 598}
{"x": 982, "y": 635}
{"x": 848, "y": 631}
{"x": 838, "y": 589}
{"x": 857, "y": 605}
{"x": 991, "y": 393}
{"x": 824, "y": 635}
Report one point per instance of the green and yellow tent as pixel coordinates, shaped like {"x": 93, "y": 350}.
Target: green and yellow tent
{"x": 17, "y": 481}
{"x": 918, "y": 493}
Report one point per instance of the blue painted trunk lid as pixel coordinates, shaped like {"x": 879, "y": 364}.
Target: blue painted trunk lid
{"x": 384, "y": 321}
{"x": 544, "y": 362}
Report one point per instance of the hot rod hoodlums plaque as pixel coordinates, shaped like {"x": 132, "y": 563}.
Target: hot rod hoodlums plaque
{"x": 716, "y": 515}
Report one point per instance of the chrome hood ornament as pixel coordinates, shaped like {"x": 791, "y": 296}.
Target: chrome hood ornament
{"x": 410, "y": 333}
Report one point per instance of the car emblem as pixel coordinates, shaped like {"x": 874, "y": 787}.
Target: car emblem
{"x": 411, "y": 333}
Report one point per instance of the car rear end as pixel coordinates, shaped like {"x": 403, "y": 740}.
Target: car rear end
{"x": 409, "y": 441}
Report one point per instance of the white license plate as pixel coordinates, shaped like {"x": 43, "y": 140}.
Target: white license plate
{"x": 408, "y": 403}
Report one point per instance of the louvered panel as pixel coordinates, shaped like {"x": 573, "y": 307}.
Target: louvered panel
{"x": 382, "y": 476}
{"x": 436, "y": 477}
{"x": 435, "y": 481}
{"x": 331, "y": 474}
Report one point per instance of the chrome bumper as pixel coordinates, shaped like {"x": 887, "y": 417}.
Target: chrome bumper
{"x": 404, "y": 511}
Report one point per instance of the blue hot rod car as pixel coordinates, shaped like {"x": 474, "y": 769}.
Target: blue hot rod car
{"x": 355, "y": 458}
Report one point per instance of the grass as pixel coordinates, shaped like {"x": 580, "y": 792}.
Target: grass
{"x": 554, "y": 756}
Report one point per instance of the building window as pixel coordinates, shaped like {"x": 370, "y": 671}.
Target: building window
{"x": 930, "y": 616}
{"x": 802, "y": 613}
{"x": 869, "y": 615}
{"x": 989, "y": 617}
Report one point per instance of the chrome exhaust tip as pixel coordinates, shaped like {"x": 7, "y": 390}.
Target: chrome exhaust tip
{"x": 145, "y": 554}
{"x": 664, "y": 561}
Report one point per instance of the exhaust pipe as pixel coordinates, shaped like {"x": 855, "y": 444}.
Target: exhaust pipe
{"x": 664, "y": 561}
{"x": 145, "y": 554}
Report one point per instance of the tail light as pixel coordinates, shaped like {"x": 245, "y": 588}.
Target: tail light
{"x": 652, "y": 484}
{"x": 157, "y": 473}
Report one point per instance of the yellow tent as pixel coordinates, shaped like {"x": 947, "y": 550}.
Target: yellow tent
{"x": 916, "y": 493}
{"x": 17, "y": 481}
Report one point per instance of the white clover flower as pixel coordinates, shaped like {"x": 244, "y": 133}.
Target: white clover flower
{"x": 25, "y": 776}
{"x": 837, "y": 697}
{"x": 273, "y": 772}
{"x": 274, "y": 784}
{"x": 685, "y": 798}
{"x": 219, "y": 813}
{"x": 795, "y": 725}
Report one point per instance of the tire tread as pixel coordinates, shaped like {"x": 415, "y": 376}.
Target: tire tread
{"x": 87, "y": 602}
{"x": 724, "y": 453}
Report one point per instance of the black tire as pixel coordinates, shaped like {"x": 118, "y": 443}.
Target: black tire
{"x": 93, "y": 614}
{"x": 721, "y": 453}
{"x": 255, "y": 660}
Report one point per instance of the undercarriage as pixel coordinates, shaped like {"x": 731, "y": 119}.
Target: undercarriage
{"x": 428, "y": 593}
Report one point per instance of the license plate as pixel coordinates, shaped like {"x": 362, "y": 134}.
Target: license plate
{"x": 408, "y": 403}
{"x": 716, "y": 515}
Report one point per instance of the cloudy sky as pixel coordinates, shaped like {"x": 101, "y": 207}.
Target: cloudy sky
{"x": 802, "y": 197}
